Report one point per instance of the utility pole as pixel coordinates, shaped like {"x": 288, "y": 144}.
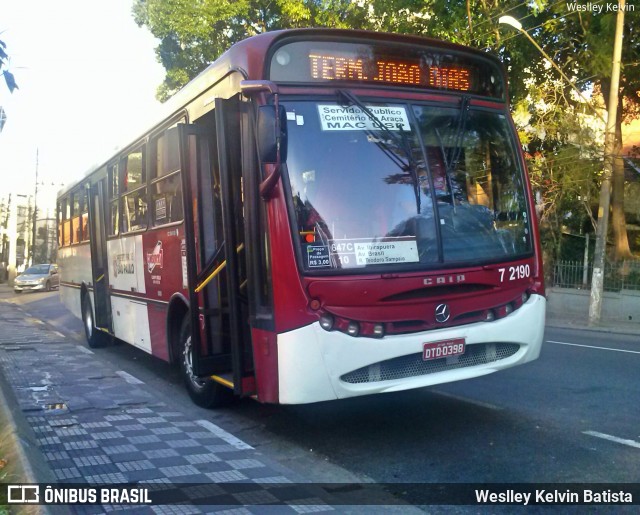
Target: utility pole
{"x": 4, "y": 253}
{"x": 45, "y": 245}
{"x": 35, "y": 217}
{"x": 597, "y": 279}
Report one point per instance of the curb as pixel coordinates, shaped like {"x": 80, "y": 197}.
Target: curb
{"x": 32, "y": 466}
{"x": 583, "y": 326}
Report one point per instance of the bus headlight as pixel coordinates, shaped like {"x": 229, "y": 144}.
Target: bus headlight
{"x": 378, "y": 330}
{"x": 353, "y": 329}
{"x": 326, "y": 322}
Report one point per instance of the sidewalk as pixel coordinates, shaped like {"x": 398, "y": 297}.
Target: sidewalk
{"x": 581, "y": 322}
{"x": 79, "y": 421}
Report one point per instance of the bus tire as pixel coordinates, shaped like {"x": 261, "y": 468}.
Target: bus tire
{"x": 94, "y": 337}
{"x": 205, "y": 393}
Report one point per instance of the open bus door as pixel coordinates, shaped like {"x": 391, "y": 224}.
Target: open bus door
{"x": 99, "y": 263}
{"x": 214, "y": 239}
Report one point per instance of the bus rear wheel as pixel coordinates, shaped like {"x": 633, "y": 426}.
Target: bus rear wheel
{"x": 206, "y": 393}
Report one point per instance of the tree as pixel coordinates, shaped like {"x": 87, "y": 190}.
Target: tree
{"x": 4, "y": 60}
{"x": 584, "y": 44}
{"x": 563, "y": 155}
{"x": 192, "y": 34}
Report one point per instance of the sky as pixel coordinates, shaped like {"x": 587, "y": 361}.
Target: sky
{"x": 87, "y": 77}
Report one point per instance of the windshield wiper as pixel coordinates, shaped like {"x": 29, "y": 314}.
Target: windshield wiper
{"x": 401, "y": 141}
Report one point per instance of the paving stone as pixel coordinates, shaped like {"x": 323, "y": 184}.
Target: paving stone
{"x": 93, "y": 427}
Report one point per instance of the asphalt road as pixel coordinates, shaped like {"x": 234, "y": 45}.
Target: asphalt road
{"x": 571, "y": 416}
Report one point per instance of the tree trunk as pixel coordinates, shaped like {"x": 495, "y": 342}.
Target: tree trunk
{"x": 618, "y": 220}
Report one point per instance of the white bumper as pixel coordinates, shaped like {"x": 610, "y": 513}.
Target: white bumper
{"x": 312, "y": 360}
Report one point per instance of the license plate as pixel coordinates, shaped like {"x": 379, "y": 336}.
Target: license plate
{"x": 443, "y": 349}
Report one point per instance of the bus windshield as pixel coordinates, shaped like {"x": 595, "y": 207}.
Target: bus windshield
{"x": 382, "y": 186}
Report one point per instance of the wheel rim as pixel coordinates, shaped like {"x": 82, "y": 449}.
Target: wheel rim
{"x": 187, "y": 360}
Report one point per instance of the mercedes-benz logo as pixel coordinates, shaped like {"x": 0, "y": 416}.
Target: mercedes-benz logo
{"x": 442, "y": 313}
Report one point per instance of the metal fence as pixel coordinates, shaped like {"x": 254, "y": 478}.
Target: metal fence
{"x": 623, "y": 275}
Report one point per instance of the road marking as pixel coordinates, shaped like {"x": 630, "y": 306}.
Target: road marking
{"x": 221, "y": 433}
{"x": 630, "y": 443}
{"x": 128, "y": 377}
{"x": 594, "y": 347}
{"x": 84, "y": 349}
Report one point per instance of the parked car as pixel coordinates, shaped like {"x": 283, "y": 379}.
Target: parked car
{"x": 37, "y": 277}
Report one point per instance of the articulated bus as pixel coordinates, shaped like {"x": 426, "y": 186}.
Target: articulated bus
{"x": 320, "y": 214}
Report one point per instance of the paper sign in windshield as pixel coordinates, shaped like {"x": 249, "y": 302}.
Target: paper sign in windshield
{"x": 318, "y": 256}
{"x": 386, "y": 252}
{"x": 338, "y": 118}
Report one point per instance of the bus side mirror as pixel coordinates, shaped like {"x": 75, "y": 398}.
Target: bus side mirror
{"x": 272, "y": 131}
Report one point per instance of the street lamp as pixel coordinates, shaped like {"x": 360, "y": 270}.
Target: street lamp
{"x": 597, "y": 281}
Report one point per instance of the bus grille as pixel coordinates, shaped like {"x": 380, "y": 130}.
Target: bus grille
{"x": 413, "y": 365}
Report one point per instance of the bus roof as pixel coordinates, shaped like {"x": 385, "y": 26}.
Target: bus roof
{"x": 248, "y": 57}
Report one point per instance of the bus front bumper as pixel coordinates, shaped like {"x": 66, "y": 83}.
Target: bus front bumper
{"x": 315, "y": 365}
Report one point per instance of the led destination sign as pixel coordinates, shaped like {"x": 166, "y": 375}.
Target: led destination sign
{"x": 383, "y": 64}
{"x": 332, "y": 67}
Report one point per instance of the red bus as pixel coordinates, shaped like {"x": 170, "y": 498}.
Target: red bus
{"x": 321, "y": 214}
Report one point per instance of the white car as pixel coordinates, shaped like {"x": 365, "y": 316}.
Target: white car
{"x": 37, "y": 278}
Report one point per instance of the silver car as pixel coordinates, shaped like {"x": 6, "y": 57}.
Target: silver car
{"x": 37, "y": 278}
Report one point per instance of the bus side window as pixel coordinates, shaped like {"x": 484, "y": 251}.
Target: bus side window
{"x": 85, "y": 214}
{"x": 59, "y": 215}
{"x": 135, "y": 211}
{"x": 66, "y": 224}
{"x": 134, "y": 205}
{"x": 76, "y": 228}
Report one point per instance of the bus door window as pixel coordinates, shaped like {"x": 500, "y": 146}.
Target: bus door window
{"x": 166, "y": 188}
{"x": 59, "y": 218}
{"x": 167, "y": 200}
{"x": 114, "y": 211}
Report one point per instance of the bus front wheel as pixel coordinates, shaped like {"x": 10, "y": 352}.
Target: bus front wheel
{"x": 206, "y": 393}
{"x": 94, "y": 338}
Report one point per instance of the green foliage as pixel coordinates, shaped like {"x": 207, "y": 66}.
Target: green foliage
{"x": 192, "y": 33}
{"x": 562, "y": 140}
{"x": 563, "y": 144}
{"x": 8, "y": 76}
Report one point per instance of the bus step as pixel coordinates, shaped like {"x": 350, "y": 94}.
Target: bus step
{"x": 224, "y": 379}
